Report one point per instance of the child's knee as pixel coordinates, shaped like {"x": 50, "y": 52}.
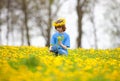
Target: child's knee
{"x": 62, "y": 52}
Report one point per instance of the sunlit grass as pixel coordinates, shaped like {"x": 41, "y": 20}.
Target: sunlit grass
{"x": 26, "y": 63}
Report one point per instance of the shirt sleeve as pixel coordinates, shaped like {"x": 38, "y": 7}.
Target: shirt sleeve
{"x": 67, "y": 41}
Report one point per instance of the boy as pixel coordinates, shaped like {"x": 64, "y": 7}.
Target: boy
{"x": 60, "y": 40}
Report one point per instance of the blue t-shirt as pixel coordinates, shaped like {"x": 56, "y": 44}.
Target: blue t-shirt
{"x": 65, "y": 39}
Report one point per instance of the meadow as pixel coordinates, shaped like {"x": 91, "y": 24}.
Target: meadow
{"x": 28, "y": 63}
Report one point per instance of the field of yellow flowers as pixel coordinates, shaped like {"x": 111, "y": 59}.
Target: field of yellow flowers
{"x": 27, "y": 63}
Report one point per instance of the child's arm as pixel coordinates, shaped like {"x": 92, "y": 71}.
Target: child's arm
{"x": 60, "y": 43}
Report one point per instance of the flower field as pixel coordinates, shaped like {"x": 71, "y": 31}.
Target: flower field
{"x": 27, "y": 63}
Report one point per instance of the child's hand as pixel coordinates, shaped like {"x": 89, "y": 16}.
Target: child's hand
{"x": 59, "y": 42}
{"x": 50, "y": 49}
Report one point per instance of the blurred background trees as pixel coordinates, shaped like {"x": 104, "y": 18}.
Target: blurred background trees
{"x": 23, "y": 21}
{"x": 112, "y": 19}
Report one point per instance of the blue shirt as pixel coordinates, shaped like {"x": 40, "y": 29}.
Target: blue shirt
{"x": 65, "y": 39}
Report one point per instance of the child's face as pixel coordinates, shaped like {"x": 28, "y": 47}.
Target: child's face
{"x": 59, "y": 29}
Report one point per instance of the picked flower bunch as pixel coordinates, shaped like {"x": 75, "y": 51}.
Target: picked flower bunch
{"x": 60, "y": 38}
